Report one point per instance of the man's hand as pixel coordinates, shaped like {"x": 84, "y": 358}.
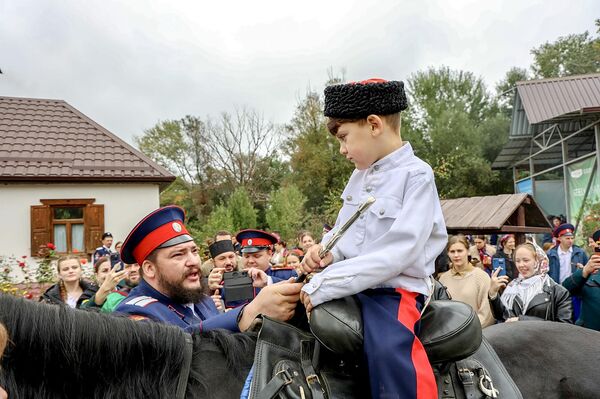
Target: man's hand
{"x": 277, "y": 301}
{"x": 215, "y": 277}
{"x": 259, "y": 277}
{"x": 496, "y": 283}
{"x": 312, "y": 261}
{"x": 592, "y": 266}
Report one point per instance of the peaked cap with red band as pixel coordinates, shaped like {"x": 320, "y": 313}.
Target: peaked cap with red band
{"x": 564, "y": 229}
{"x": 357, "y": 100}
{"x": 253, "y": 240}
{"x": 161, "y": 229}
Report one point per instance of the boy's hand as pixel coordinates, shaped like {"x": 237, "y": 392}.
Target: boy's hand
{"x": 305, "y": 299}
{"x": 312, "y": 261}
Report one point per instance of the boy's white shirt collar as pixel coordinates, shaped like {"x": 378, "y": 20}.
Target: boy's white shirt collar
{"x": 394, "y": 158}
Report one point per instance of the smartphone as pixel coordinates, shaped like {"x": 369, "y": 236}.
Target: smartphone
{"x": 237, "y": 287}
{"x": 114, "y": 259}
{"x": 498, "y": 262}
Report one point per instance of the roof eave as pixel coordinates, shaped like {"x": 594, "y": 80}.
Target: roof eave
{"x": 86, "y": 179}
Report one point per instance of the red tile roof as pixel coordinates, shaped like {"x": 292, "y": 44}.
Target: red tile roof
{"x": 49, "y": 140}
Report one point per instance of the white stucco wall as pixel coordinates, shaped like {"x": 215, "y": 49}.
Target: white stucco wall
{"x": 124, "y": 206}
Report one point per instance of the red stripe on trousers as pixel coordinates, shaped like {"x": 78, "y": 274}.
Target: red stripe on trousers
{"x": 408, "y": 315}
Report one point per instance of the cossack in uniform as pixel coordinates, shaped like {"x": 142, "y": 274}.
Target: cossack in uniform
{"x": 164, "y": 228}
{"x": 100, "y": 252}
{"x": 253, "y": 241}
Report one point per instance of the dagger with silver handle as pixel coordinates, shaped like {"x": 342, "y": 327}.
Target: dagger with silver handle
{"x": 340, "y": 233}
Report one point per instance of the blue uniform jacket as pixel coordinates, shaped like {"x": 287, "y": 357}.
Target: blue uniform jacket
{"x": 281, "y": 274}
{"x": 578, "y": 256}
{"x": 146, "y": 302}
{"x": 100, "y": 252}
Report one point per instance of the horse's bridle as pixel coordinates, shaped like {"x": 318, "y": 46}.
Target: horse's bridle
{"x": 185, "y": 369}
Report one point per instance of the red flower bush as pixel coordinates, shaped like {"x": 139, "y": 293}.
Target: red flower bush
{"x": 83, "y": 261}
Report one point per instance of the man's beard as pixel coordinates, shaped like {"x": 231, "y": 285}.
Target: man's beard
{"x": 131, "y": 283}
{"x": 178, "y": 293}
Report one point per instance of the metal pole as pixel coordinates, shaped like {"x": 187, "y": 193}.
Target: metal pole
{"x": 531, "y": 173}
{"x": 565, "y": 158}
{"x": 597, "y": 136}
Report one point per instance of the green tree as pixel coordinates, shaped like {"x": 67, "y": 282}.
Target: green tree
{"x": 178, "y": 145}
{"x": 285, "y": 211}
{"x": 453, "y": 123}
{"x": 574, "y": 54}
{"x": 505, "y": 89}
{"x": 243, "y": 214}
{"x": 220, "y": 218}
{"x": 435, "y": 90}
{"x": 317, "y": 166}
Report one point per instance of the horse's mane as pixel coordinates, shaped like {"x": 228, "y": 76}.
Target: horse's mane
{"x": 220, "y": 363}
{"x": 59, "y": 352}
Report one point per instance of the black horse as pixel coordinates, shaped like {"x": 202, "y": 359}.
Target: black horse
{"x": 58, "y": 352}
{"x": 549, "y": 360}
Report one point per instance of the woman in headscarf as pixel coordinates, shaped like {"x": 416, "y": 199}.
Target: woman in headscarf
{"x": 533, "y": 295}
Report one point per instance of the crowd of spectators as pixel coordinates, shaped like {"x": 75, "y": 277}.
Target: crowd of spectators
{"x": 510, "y": 282}
{"x": 503, "y": 283}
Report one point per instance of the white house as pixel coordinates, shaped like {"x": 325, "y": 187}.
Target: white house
{"x": 65, "y": 179}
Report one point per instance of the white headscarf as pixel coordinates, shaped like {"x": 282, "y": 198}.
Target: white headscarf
{"x": 528, "y": 288}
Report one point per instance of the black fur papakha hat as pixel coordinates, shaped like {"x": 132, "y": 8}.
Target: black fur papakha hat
{"x": 357, "y": 100}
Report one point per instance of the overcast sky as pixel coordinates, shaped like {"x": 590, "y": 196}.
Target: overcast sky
{"x": 128, "y": 64}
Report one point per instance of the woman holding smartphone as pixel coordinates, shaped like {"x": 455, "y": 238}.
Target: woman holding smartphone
{"x": 504, "y": 258}
{"x": 533, "y": 295}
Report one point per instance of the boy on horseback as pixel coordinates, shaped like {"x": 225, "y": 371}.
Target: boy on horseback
{"x": 388, "y": 254}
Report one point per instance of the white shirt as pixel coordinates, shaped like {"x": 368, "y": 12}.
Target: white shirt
{"x": 565, "y": 263}
{"x": 395, "y": 243}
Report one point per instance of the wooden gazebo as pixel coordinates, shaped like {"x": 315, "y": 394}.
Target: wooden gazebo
{"x": 498, "y": 214}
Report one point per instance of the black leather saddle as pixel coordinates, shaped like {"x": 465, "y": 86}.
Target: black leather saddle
{"x": 450, "y": 330}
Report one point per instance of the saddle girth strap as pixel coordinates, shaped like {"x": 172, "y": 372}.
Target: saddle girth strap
{"x": 185, "y": 369}
{"x": 475, "y": 380}
{"x": 312, "y": 378}
{"x": 277, "y": 383}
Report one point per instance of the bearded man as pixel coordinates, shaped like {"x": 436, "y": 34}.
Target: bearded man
{"x": 171, "y": 289}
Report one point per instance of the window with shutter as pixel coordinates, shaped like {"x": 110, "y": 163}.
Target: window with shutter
{"x": 72, "y": 225}
{"x": 93, "y": 216}
{"x": 41, "y": 227}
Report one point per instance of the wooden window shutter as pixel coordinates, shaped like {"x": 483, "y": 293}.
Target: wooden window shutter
{"x": 93, "y": 219}
{"x": 41, "y": 227}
